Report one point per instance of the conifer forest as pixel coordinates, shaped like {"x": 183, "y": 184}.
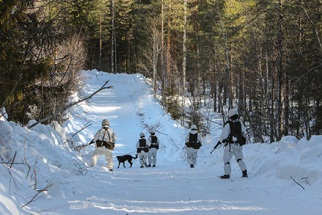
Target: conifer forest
{"x": 263, "y": 55}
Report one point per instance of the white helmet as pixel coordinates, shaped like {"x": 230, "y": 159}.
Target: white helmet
{"x": 152, "y": 131}
{"x": 105, "y": 122}
{"x": 193, "y": 127}
{"x": 232, "y": 112}
{"x": 142, "y": 135}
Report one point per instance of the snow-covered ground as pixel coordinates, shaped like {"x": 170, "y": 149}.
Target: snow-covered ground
{"x": 40, "y": 174}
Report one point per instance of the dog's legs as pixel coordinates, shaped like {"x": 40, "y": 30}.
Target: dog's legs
{"x": 124, "y": 164}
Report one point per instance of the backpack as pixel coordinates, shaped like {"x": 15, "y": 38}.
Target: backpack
{"x": 154, "y": 142}
{"x": 235, "y": 131}
{"x": 142, "y": 146}
{"x": 154, "y": 139}
{"x": 142, "y": 143}
{"x": 193, "y": 141}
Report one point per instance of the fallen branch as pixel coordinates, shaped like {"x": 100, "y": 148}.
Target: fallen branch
{"x": 35, "y": 196}
{"x": 306, "y": 180}
{"x": 70, "y": 105}
{"x": 14, "y": 157}
{"x": 11, "y": 178}
{"x": 85, "y": 126}
{"x": 297, "y": 183}
{"x": 7, "y": 163}
{"x": 71, "y": 142}
{"x": 82, "y": 170}
{"x": 78, "y": 148}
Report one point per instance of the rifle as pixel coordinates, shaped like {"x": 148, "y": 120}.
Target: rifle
{"x": 219, "y": 143}
{"x": 78, "y": 148}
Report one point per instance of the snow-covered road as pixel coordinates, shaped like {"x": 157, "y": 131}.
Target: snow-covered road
{"x": 172, "y": 187}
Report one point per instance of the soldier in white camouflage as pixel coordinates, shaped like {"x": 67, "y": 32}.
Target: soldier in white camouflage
{"x": 192, "y": 144}
{"x": 153, "y": 149}
{"x": 105, "y": 142}
{"x": 142, "y": 147}
{"x": 233, "y": 138}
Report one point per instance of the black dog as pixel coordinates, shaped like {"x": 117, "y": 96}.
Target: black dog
{"x": 127, "y": 158}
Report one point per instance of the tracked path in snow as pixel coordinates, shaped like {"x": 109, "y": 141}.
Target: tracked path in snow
{"x": 172, "y": 187}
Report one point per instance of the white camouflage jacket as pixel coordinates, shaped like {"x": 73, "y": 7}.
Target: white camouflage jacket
{"x": 107, "y": 135}
{"x": 226, "y": 131}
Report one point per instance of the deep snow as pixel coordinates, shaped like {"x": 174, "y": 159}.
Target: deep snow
{"x": 42, "y": 175}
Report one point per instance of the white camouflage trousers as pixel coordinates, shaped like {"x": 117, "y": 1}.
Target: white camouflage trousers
{"x": 143, "y": 158}
{"x": 99, "y": 151}
{"x": 152, "y": 157}
{"x": 192, "y": 155}
{"x": 230, "y": 151}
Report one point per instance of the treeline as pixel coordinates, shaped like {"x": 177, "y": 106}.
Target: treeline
{"x": 40, "y": 55}
{"x": 263, "y": 55}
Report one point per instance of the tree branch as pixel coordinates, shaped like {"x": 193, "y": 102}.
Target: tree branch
{"x": 14, "y": 157}
{"x": 297, "y": 183}
{"x": 70, "y": 105}
{"x": 38, "y": 192}
{"x": 85, "y": 126}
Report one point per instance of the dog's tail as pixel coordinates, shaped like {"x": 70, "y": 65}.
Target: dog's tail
{"x": 136, "y": 156}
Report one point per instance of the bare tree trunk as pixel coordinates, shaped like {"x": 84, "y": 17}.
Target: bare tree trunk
{"x": 214, "y": 82}
{"x": 198, "y": 72}
{"x": 101, "y": 45}
{"x": 241, "y": 95}
{"x": 184, "y": 59}
{"x": 112, "y": 35}
{"x": 162, "y": 52}
{"x": 155, "y": 59}
{"x": 307, "y": 118}
{"x": 115, "y": 54}
{"x": 272, "y": 115}
{"x": 286, "y": 104}
{"x": 169, "y": 48}
{"x": 184, "y": 48}
{"x": 279, "y": 71}
{"x": 228, "y": 71}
